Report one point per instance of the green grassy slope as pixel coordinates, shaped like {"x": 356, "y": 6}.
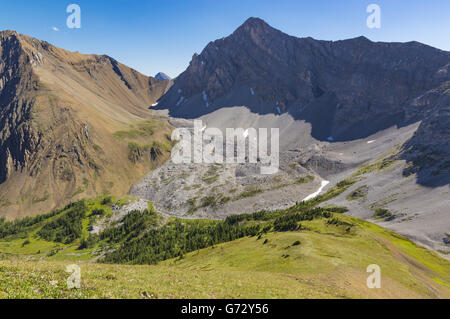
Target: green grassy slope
{"x": 299, "y": 252}
{"x": 328, "y": 262}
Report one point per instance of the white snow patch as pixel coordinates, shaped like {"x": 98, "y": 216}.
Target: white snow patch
{"x": 205, "y": 98}
{"x": 180, "y": 101}
{"x": 155, "y": 104}
{"x": 370, "y": 142}
{"x": 246, "y": 133}
{"x": 314, "y": 195}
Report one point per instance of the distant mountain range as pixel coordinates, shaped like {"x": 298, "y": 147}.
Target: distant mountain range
{"x": 162, "y": 76}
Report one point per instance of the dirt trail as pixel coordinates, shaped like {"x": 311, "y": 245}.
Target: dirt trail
{"x": 423, "y": 274}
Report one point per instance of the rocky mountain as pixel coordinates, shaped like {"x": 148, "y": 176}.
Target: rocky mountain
{"x": 378, "y": 111}
{"x": 66, "y": 124}
{"x": 162, "y": 76}
{"x": 346, "y": 89}
{"x": 74, "y": 126}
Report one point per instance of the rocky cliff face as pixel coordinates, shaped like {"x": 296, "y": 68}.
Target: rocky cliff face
{"x": 17, "y": 84}
{"x": 428, "y": 151}
{"x": 58, "y": 114}
{"x": 346, "y": 89}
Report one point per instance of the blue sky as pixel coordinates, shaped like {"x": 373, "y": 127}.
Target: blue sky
{"x": 162, "y": 35}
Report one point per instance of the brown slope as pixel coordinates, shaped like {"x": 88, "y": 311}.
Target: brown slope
{"x": 59, "y": 111}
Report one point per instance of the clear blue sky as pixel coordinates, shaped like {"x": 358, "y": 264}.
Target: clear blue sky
{"x": 162, "y": 35}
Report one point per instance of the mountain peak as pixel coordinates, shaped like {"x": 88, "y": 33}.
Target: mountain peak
{"x": 361, "y": 39}
{"x": 8, "y": 35}
{"x": 10, "y": 38}
{"x": 162, "y": 76}
{"x": 8, "y": 32}
{"x": 254, "y": 24}
{"x": 256, "y": 30}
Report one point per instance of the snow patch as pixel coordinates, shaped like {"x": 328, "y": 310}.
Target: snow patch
{"x": 314, "y": 195}
{"x": 370, "y": 142}
{"x": 180, "y": 101}
{"x": 205, "y": 98}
